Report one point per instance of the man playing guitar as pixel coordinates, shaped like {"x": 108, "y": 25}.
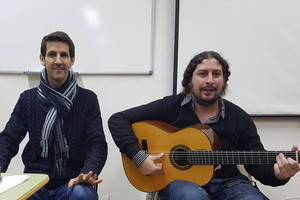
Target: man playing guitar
{"x": 204, "y": 84}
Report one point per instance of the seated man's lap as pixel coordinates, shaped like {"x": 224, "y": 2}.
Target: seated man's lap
{"x": 236, "y": 188}
{"x": 82, "y": 192}
{"x": 183, "y": 190}
{"x": 85, "y": 192}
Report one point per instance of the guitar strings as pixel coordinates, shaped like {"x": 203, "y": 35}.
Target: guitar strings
{"x": 226, "y": 157}
{"x": 217, "y": 153}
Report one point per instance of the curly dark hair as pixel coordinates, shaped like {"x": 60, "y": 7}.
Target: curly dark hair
{"x": 60, "y": 37}
{"x": 188, "y": 73}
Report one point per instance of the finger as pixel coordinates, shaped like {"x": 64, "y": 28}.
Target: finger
{"x": 96, "y": 182}
{"x": 92, "y": 176}
{"x": 90, "y": 173}
{"x": 87, "y": 176}
{"x": 295, "y": 148}
{"x": 80, "y": 177}
{"x": 92, "y": 180}
{"x": 294, "y": 166}
{"x": 156, "y": 157}
{"x": 73, "y": 182}
{"x": 157, "y": 168}
{"x": 290, "y": 168}
{"x": 279, "y": 164}
{"x": 282, "y": 163}
{"x": 95, "y": 176}
{"x": 277, "y": 171}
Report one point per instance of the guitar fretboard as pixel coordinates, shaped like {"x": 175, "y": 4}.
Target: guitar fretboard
{"x": 202, "y": 157}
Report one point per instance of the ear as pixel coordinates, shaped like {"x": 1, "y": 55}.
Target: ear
{"x": 42, "y": 59}
{"x": 72, "y": 61}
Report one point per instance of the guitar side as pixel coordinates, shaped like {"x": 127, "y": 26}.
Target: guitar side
{"x": 161, "y": 137}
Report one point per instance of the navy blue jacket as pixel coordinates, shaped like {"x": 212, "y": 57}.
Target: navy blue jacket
{"x": 82, "y": 128}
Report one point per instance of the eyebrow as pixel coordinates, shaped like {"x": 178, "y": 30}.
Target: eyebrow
{"x": 219, "y": 70}
{"x": 63, "y": 52}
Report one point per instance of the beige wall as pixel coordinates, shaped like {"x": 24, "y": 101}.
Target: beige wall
{"x": 117, "y": 93}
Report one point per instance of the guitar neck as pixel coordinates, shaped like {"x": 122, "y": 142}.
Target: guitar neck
{"x": 202, "y": 157}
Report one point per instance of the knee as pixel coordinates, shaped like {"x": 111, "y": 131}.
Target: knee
{"x": 246, "y": 194}
{"x": 187, "y": 190}
{"x": 191, "y": 194}
{"x": 83, "y": 192}
{"x": 253, "y": 196}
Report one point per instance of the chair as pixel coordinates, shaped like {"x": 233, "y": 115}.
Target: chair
{"x": 152, "y": 196}
{"x": 245, "y": 173}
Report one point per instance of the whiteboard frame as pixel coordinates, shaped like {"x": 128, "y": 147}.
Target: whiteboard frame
{"x": 120, "y": 72}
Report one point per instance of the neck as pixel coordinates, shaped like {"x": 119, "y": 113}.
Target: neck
{"x": 55, "y": 84}
{"x": 204, "y": 112}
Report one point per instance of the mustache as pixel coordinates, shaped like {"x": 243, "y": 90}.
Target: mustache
{"x": 208, "y": 88}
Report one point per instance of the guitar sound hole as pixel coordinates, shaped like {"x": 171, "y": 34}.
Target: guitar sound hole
{"x": 178, "y": 157}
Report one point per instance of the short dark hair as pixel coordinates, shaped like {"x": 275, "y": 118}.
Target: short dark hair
{"x": 58, "y": 36}
{"x": 188, "y": 73}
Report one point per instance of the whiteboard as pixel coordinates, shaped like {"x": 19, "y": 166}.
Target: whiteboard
{"x": 261, "y": 41}
{"x": 110, "y": 36}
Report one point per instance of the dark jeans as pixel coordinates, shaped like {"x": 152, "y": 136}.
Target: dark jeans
{"x": 82, "y": 192}
{"x": 235, "y": 188}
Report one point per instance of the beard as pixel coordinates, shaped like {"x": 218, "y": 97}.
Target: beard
{"x": 206, "y": 102}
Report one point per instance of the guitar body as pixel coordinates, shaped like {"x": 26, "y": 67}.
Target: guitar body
{"x": 161, "y": 137}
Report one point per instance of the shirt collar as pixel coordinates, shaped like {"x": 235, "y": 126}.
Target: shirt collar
{"x": 186, "y": 100}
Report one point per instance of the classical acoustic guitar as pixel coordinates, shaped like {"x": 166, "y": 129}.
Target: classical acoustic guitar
{"x": 189, "y": 154}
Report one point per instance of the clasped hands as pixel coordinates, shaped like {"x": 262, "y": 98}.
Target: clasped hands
{"x": 89, "y": 178}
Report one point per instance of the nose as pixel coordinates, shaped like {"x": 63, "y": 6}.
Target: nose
{"x": 58, "y": 60}
{"x": 209, "y": 78}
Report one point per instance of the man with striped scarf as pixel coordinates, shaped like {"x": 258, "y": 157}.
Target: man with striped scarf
{"x": 66, "y": 139}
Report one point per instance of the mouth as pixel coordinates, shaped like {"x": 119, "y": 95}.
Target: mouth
{"x": 208, "y": 89}
{"x": 59, "y": 69}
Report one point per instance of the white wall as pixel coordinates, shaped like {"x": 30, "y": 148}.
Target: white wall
{"x": 280, "y": 134}
{"x": 254, "y": 44}
{"x": 117, "y": 93}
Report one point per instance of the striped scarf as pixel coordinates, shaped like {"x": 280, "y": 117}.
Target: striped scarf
{"x": 56, "y": 104}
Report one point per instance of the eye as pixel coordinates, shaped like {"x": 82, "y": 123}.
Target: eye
{"x": 217, "y": 74}
{"x": 64, "y": 55}
{"x": 51, "y": 54}
{"x": 202, "y": 73}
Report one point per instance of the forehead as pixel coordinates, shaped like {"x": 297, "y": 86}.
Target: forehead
{"x": 209, "y": 64}
{"x": 57, "y": 46}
